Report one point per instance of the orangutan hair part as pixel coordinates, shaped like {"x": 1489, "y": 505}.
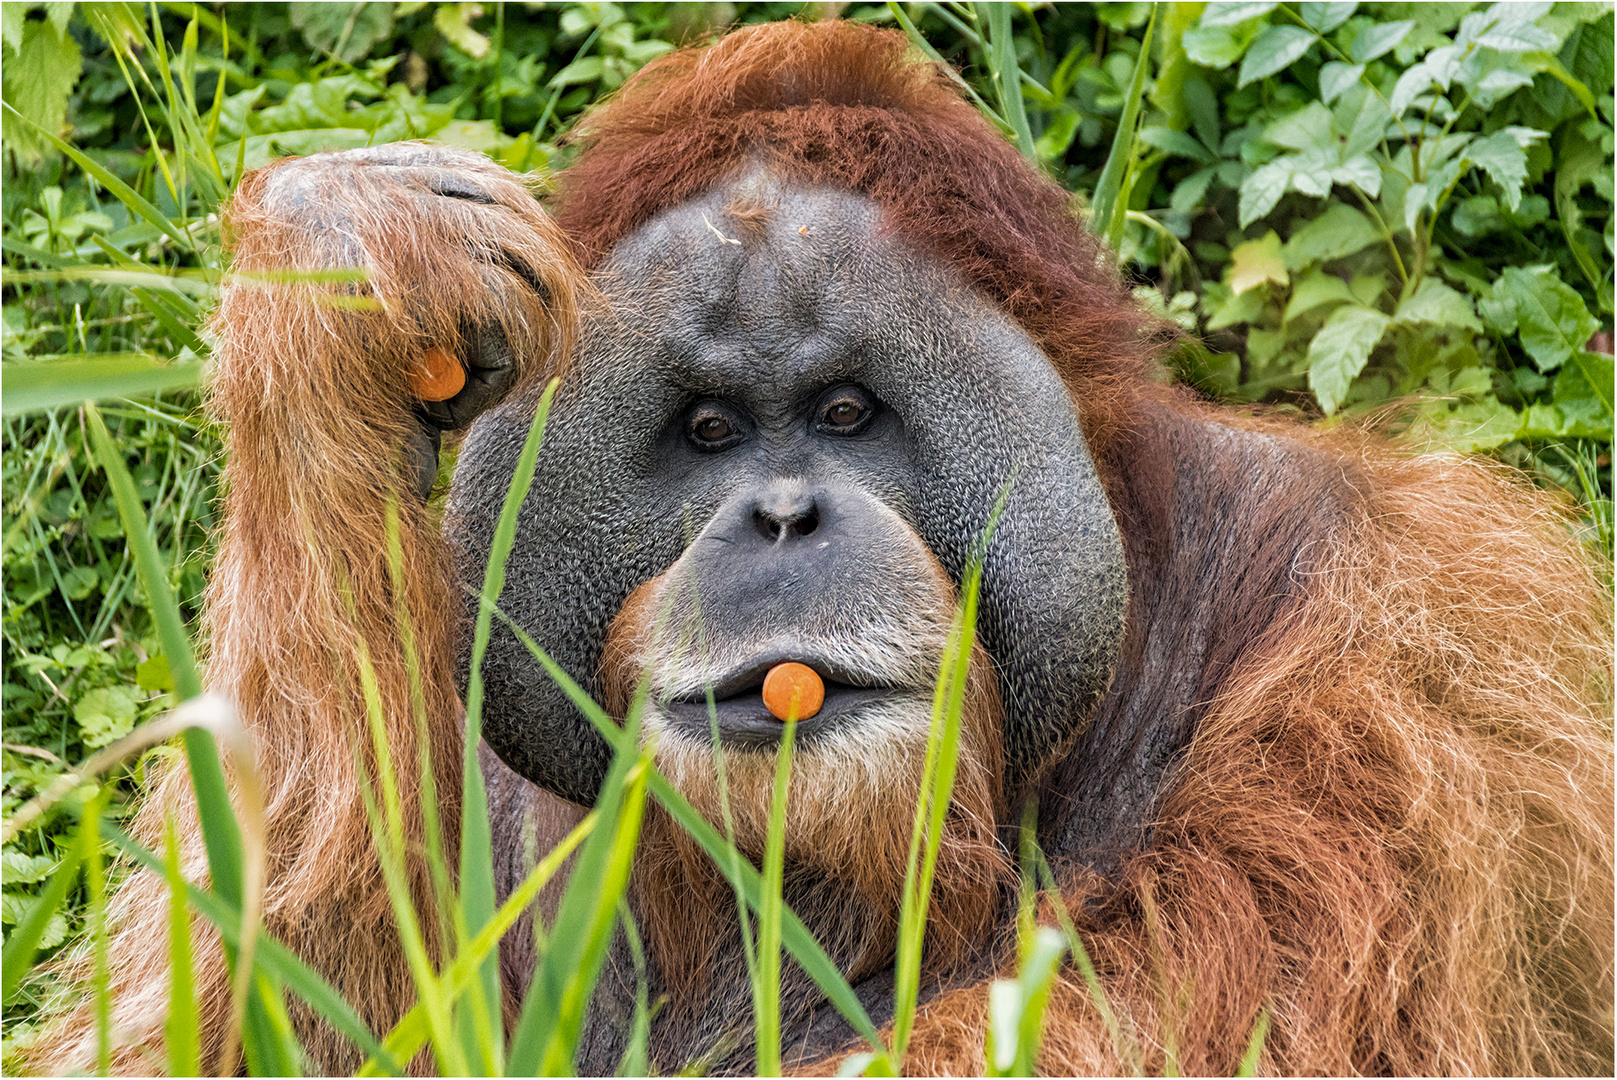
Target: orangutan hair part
{"x": 1308, "y": 724}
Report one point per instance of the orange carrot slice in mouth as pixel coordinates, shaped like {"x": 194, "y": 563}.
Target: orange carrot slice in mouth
{"x": 793, "y": 689}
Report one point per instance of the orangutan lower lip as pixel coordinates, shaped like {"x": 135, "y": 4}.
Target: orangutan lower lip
{"x": 748, "y": 678}
{"x": 744, "y": 721}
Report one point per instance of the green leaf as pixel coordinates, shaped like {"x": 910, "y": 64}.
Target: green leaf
{"x": 1550, "y": 315}
{"x": 454, "y": 23}
{"x": 1378, "y": 39}
{"x": 1175, "y": 142}
{"x": 1411, "y": 84}
{"x": 106, "y": 714}
{"x": 587, "y": 70}
{"x": 1340, "y": 350}
{"x": 1514, "y": 30}
{"x": 1262, "y": 190}
{"x": 153, "y": 674}
{"x": 1112, "y": 190}
{"x": 1255, "y": 262}
{"x": 1315, "y": 290}
{"x": 1057, "y": 138}
{"x": 346, "y": 31}
{"x": 38, "y": 925}
{"x": 23, "y": 869}
{"x": 1335, "y": 77}
{"x": 1216, "y": 46}
{"x": 1435, "y": 302}
{"x": 1335, "y": 234}
{"x": 1324, "y": 18}
{"x": 1222, "y": 13}
{"x": 1309, "y": 128}
{"x": 1503, "y": 157}
{"x": 1276, "y": 49}
{"x": 37, "y": 82}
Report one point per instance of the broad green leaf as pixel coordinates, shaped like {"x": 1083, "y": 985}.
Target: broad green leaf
{"x": 1221, "y": 13}
{"x": 1188, "y": 195}
{"x": 38, "y": 80}
{"x": 1496, "y": 85}
{"x": 1583, "y": 391}
{"x": 23, "y": 869}
{"x": 1335, "y": 77}
{"x": 1359, "y": 172}
{"x": 1411, "y": 85}
{"x": 1514, "y": 31}
{"x": 1339, "y": 352}
{"x": 1378, "y": 39}
{"x": 1309, "y": 128}
{"x": 1262, "y": 190}
{"x": 1324, "y": 18}
{"x": 36, "y": 926}
{"x": 1057, "y": 138}
{"x": 1364, "y": 116}
{"x": 453, "y": 21}
{"x": 1255, "y": 262}
{"x": 1435, "y": 302}
{"x": 105, "y": 714}
{"x": 1503, "y": 157}
{"x": 1550, "y": 315}
{"x": 1276, "y": 49}
{"x": 1216, "y": 46}
{"x": 1335, "y": 234}
{"x": 1315, "y": 290}
{"x": 346, "y": 31}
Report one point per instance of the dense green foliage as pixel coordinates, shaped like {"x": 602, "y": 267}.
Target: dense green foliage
{"x": 1402, "y": 210}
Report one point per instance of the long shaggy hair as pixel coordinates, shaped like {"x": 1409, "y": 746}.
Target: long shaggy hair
{"x": 1391, "y": 824}
{"x": 311, "y": 379}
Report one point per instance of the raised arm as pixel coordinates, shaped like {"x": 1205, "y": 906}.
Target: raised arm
{"x": 365, "y": 284}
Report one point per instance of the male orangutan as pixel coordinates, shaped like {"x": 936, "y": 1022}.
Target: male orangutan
{"x": 1309, "y": 725}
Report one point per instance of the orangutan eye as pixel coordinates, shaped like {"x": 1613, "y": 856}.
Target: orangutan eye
{"x": 712, "y": 428}
{"x": 847, "y": 412}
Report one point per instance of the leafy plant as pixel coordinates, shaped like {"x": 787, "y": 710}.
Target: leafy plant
{"x": 1396, "y": 210}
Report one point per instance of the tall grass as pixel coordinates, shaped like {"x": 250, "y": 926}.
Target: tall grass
{"x": 457, "y": 1016}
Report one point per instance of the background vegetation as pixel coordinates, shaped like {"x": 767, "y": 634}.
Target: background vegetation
{"x": 1391, "y": 211}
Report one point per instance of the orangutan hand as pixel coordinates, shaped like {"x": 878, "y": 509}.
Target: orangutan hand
{"x": 384, "y": 268}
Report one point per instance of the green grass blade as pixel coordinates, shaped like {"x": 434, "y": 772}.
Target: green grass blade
{"x": 738, "y": 871}
{"x": 120, "y": 190}
{"x": 221, "y": 835}
{"x": 180, "y": 1027}
{"x": 1016, "y": 1007}
{"x": 35, "y": 387}
{"x": 23, "y": 941}
{"x": 268, "y": 954}
{"x": 95, "y": 880}
{"x": 766, "y": 987}
{"x": 410, "y": 1033}
{"x": 1254, "y": 1046}
{"x": 1128, "y": 1051}
{"x": 1007, "y": 75}
{"x": 476, "y": 844}
{"x": 1111, "y": 199}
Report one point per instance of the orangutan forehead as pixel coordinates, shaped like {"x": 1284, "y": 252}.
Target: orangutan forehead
{"x": 778, "y": 268}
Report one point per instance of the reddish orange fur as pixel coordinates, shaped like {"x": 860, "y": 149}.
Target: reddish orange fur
{"x": 1393, "y": 825}
{"x": 1393, "y": 830}
{"x": 314, "y": 389}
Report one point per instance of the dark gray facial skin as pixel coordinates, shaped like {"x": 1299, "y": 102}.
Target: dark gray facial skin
{"x": 764, "y": 331}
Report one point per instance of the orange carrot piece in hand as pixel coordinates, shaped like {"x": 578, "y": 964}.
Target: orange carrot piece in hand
{"x": 440, "y": 376}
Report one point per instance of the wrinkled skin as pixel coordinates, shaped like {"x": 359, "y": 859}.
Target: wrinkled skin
{"x": 765, "y": 333}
